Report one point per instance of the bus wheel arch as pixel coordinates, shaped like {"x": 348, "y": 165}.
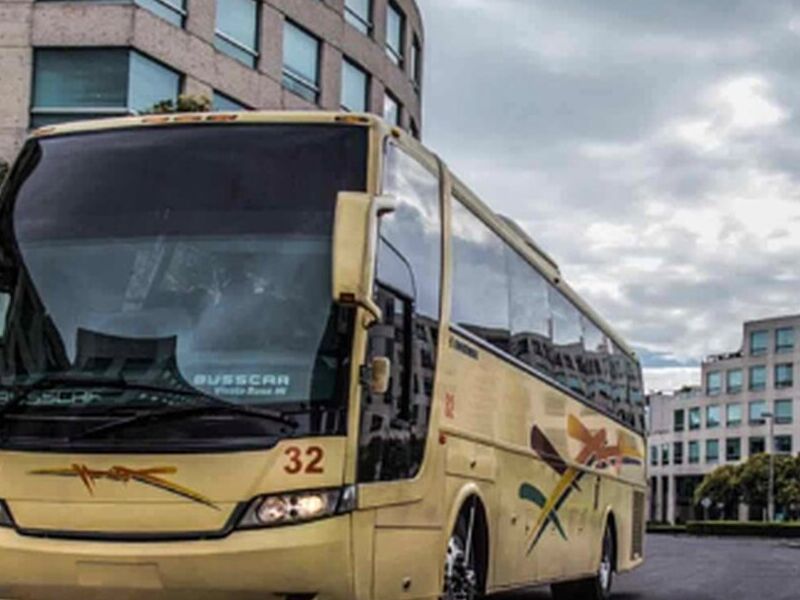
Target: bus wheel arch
{"x": 611, "y": 525}
{"x": 470, "y": 509}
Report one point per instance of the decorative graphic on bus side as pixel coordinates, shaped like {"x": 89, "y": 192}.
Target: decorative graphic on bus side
{"x": 596, "y": 452}
{"x": 150, "y": 476}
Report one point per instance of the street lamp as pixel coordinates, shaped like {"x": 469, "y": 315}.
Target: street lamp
{"x": 771, "y": 450}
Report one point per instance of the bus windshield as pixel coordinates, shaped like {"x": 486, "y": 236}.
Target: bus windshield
{"x": 183, "y": 258}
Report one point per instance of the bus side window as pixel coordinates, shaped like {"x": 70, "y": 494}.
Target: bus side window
{"x": 529, "y": 310}
{"x": 567, "y": 342}
{"x": 594, "y": 365}
{"x": 394, "y": 426}
{"x": 480, "y": 280}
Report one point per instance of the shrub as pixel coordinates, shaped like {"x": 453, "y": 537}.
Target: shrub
{"x": 665, "y": 528}
{"x": 744, "y": 528}
{"x": 185, "y": 103}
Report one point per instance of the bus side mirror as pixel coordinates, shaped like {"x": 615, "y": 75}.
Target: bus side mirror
{"x": 380, "y": 373}
{"x": 355, "y": 240}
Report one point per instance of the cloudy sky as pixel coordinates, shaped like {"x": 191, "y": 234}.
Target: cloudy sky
{"x": 652, "y": 147}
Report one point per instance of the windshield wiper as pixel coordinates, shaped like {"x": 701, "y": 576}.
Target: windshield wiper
{"x": 21, "y": 392}
{"x": 208, "y": 402}
{"x": 212, "y": 406}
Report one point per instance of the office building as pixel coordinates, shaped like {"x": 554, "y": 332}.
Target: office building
{"x": 727, "y": 419}
{"x": 63, "y": 60}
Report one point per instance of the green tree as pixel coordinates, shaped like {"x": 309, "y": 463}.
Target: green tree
{"x": 185, "y": 103}
{"x": 754, "y": 480}
{"x": 721, "y": 486}
{"x": 749, "y": 483}
{"x": 787, "y": 483}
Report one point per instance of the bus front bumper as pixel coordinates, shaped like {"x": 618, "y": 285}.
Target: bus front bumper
{"x": 309, "y": 561}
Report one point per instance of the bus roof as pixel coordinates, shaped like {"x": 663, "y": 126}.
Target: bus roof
{"x": 511, "y": 231}
{"x": 208, "y": 117}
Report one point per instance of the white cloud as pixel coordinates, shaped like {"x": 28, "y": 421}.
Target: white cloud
{"x": 670, "y": 378}
{"x": 652, "y": 149}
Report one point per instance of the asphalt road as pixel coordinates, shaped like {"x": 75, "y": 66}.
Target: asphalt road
{"x": 686, "y": 568}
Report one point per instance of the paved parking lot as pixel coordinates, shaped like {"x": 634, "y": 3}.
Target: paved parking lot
{"x": 686, "y": 568}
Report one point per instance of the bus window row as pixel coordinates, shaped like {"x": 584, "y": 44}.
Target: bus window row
{"x": 499, "y": 296}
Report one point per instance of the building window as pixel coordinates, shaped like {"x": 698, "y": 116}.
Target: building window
{"x": 734, "y": 381}
{"x": 759, "y": 340}
{"x": 355, "y": 87}
{"x": 664, "y": 454}
{"x": 173, "y": 11}
{"x": 713, "y": 383}
{"x": 654, "y": 456}
{"x": 713, "y": 416}
{"x": 223, "y": 103}
{"x": 359, "y": 14}
{"x": 784, "y": 412}
{"x": 758, "y": 378}
{"x": 733, "y": 415}
{"x": 392, "y": 110}
{"x": 416, "y": 63}
{"x": 677, "y": 453}
{"x": 757, "y": 446}
{"x": 784, "y": 375}
{"x": 783, "y": 444}
{"x": 237, "y": 30}
{"x": 395, "y": 34}
{"x": 784, "y": 339}
{"x": 301, "y": 62}
{"x": 679, "y": 417}
{"x": 757, "y": 409}
{"x": 73, "y": 84}
{"x": 712, "y": 451}
{"x": 694, "y": 418}
{"x": 733, "y": 449}
{"x": 694, "y": 452}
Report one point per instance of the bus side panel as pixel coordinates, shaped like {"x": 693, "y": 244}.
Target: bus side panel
{"x": 561, "y": 465}
{"x": 626, "y": 502}
{"x": 405, "y": 567}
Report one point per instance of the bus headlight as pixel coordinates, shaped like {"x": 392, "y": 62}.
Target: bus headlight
{"x": 298, "y": 507}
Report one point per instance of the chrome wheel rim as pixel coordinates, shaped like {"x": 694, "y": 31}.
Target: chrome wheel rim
{"x": 460, "y": 578}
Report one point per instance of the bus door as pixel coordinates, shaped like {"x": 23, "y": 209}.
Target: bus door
{"x": 394, "y": 426}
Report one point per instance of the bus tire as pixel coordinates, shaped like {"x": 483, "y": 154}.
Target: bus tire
{"x": 465, "y": 571}
{"x": 593, "y": 588}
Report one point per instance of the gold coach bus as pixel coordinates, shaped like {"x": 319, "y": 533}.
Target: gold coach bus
{"x": 289, "y": 355}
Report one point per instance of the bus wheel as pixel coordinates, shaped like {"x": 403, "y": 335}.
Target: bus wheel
{"x": 462, "y": 578}
{"x": 594, "y": 588}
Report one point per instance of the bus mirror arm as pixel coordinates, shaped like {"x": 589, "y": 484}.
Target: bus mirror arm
{"x": 355, "y": 241}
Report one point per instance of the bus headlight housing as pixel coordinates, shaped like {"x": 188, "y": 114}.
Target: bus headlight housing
{"x": 298, "y": 507}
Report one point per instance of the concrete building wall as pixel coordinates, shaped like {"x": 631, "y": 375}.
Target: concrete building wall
{"x": 28, "y": 24}
{"x": 662, "y": 409}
